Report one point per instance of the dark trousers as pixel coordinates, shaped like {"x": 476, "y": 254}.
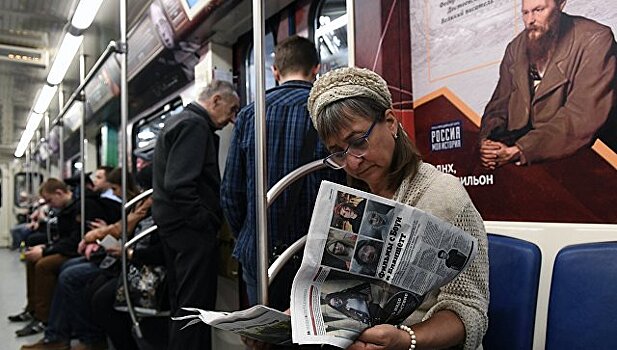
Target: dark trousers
{"x": 41, "y": 278}
{"x": 70, "y": 309}
{"x": 191, "y": 258}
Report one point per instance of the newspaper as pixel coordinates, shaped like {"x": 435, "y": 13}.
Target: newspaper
{"x": 367, "y": 261}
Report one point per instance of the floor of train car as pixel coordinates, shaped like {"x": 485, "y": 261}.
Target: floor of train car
{"x": 13, "y": 298}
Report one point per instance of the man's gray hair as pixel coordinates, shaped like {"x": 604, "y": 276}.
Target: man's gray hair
{"x": 220, "y": 87}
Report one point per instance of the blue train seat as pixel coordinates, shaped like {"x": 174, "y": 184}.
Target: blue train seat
{"x": 582, "y": 311}
{"x": 514, "y": 275}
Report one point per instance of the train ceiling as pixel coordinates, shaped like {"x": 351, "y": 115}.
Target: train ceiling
{"x": 30, "y": 31}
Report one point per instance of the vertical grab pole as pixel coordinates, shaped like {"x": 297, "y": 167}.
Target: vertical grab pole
{"x": 28, "y": 173}
{"x": 351, "y": 32}
{"x": 82, "y": 148}
{"x": 48, "y": 159}
{"x": 61, "y": 133}
{"x": 122, "y": 48}
{"x": 260, "y": 154}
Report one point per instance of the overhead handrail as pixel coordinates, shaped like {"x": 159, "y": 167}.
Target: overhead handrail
{"x": 272, "y": 195}
{"x": 110, "y": 49}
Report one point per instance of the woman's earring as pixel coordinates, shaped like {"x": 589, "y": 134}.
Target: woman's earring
{"x": 395, "y": 135}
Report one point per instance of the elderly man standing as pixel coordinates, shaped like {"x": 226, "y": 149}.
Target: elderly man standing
{"x": 186, "y": 180}
{"x": 556, "y": 89}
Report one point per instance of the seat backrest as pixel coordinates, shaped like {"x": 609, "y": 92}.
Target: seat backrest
{"x": 582, "y": 311}
{"x": 514, "y": 275}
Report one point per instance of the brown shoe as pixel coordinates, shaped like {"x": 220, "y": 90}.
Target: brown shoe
{"x": 45, "y": 344}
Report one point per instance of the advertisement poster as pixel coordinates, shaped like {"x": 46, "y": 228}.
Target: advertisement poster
{"x": 540, "y": 145}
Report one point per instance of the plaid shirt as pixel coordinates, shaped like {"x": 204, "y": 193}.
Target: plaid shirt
{"x": 287, "y": 123}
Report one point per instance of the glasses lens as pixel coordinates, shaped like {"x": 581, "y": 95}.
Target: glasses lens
{"x": 358, "y": 147}
{"x": 336, "y": 160}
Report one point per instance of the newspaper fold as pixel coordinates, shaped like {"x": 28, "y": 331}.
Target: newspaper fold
{"x": 259, "y": 322}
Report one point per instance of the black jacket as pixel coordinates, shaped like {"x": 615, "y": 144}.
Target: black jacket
{"x": 186, "y": 176}
{"x": 68, "y": 233}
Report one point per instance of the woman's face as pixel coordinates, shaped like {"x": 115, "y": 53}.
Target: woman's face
{"x": 373, "y": 167}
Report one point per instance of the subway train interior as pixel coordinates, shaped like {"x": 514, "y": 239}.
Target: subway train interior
{"x": 87, "y": 84}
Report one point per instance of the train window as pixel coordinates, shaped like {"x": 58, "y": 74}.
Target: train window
{"x": 250, "y": 68}
{"x": 107, "y": 146}
{"x": 26, "y": 188}
{"x": 331, "y": 34}
{"x": 148, "y": 131}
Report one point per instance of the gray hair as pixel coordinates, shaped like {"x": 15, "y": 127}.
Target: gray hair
{"x": 220, "y": 87}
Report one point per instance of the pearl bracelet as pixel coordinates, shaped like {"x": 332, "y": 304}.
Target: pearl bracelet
{"x": 412, "y": 335}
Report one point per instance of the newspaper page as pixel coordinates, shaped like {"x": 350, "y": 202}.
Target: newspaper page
{"x": 369, "y": 260}
{"x": 259, "y": 322}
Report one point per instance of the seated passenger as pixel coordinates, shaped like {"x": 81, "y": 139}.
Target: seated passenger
{"x": 117, "y": 325}
{"x": 36, "y": 223}
{"x": 70, "y": 311}
{"x": 45, "y": 260}
{"x": 352, "y": 111}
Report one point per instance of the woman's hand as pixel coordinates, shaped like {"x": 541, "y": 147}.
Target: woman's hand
{"x": 382, "y": 337}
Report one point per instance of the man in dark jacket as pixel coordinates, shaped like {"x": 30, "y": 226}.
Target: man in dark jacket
{"x": 186, "y": 181}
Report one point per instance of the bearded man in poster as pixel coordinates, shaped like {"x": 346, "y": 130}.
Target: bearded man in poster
{"x": 556, "y": 91}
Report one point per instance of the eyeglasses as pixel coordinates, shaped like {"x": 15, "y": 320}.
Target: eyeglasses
{"x": 357, "y": 148}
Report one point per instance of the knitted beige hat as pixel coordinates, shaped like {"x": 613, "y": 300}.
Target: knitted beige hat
{"x": 345, "y": 83}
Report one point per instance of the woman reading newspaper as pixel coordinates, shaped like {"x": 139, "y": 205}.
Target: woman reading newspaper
{"x": 351, "y": 109}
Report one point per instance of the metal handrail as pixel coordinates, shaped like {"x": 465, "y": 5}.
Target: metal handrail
{"x": 272, "y": 195}
{"x": 141, "y": 235}
{"x": 130, "y": 204}
{"x": 287, "y": 254}
{"x": 127, "y": 207}
{"x": 290, "y": 178}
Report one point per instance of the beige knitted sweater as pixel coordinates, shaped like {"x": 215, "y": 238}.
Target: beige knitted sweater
{"x": 467, "y": 295}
